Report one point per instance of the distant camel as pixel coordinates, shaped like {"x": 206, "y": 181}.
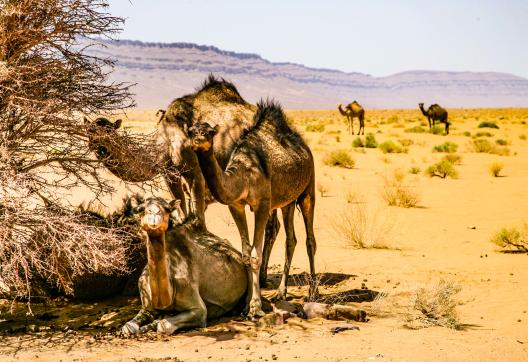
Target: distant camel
{"x": 435, "y": 113}
{"x": 352, "y": 110}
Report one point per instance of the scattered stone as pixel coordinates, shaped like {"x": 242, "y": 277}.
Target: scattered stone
{"x": 338, "y": 329}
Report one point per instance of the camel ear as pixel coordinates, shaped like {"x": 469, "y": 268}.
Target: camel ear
{"x": 117, "y": 123}
{"x": 136, "y": 207}
{"x": 174, "y": 204}
{"x": 216, "y": 129}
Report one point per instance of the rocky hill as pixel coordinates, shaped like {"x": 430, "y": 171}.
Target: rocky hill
{"x": 166, "y": 71}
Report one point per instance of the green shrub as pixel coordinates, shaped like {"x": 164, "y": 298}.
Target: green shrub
{"x": 315, "y": 128}
{"x": 448, "y": 147}
{"x": 502, "y": 142}
{"x": 340, "y": 158}
{"x": 467, "y": 134}
{"x": 482, "y": 134}
{"x": 390, "y": 147}
{"x": 442, "y": 169}
{"x": 370, "y": 141}
{"x": 522, "y": 137}
{"x": 482, "y": 146}
{"x": 436, "y": 130}
{"x": 512, "y": 238}
{"x": 358, "y": 142}
{"x": 415, "y": 129}
{"x": 495, "y": 168}
{"x": 487, "y": 124}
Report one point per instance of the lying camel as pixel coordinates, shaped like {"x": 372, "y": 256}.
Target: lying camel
{"x": 191, "y": 275}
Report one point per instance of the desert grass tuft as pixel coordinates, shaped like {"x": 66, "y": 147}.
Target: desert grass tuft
{"x": 363, "y": 228}
{"x": 340, "y": 158}
{"x": 495, "y": 168}
{"x": 396, "y": 192}
{"x": 434, "y": 306}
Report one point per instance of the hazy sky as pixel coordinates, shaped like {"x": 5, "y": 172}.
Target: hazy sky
{"x": 378, "y": 37}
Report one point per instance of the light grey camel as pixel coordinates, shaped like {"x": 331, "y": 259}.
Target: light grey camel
{"x": 191, "y": 275}
{"x": 270, "y": 167}
{"x": 352, "y": 110}
{"x": 435, "y": 113}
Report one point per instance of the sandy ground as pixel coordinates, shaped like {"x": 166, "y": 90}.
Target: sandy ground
{"x": 445, "y": 237}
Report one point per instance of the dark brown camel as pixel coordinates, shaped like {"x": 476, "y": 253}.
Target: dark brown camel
{"x": 435, "y": 113}
{"x": 352, "y": 110}
{"x": 270, "y": 167}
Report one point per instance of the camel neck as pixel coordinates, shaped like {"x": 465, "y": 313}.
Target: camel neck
{"x": 220, "y": 184}
{"x": 158, "y": 268}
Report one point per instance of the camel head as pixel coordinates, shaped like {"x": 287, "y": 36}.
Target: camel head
{"x": 156, "y": 212}
{"x": 100, "y": 131}
{"x": 420, "y": 105}
{"x": 201, "y": 136}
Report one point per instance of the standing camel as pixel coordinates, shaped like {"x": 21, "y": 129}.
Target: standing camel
{"x": 352, "y": 110}
{"x": 435, "y": 113}
{"x": 270, "y": 167}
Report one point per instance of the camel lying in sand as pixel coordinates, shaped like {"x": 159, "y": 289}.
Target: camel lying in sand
{"x": 191, "y": 275}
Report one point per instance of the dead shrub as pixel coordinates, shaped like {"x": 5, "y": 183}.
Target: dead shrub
{"x": 363, "y": 228}
{"x": 434, "y": 306}
{"x": 396, "y": 192}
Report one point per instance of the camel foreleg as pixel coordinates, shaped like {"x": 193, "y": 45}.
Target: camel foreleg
{"x": 287, "y": 214}
{"x": 136, "y": 324}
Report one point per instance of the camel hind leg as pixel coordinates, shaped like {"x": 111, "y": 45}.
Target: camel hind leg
{"x": 287, "y": 214}
{"x": 361, "y": 124}
{"x": 306, "y": 203}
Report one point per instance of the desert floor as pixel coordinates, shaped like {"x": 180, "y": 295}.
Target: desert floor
{"x": 446, "y": 236}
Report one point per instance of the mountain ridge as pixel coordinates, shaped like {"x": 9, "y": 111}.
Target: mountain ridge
{"x": 164, "y": 71}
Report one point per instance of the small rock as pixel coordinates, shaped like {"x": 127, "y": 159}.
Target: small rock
{"x": 274, "y": 357}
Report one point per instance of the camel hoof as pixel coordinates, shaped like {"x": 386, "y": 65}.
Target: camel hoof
{"x": 130, "y": 328}
{"x": 255, "y": 310}
{"x": 166, "y": 327}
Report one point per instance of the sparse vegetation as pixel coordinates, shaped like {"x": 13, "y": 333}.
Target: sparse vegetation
{"x": 453, "y": 158}
{"x": 495, "y": 168}
{"x": 370, "y": 141}
{"x": 396, "y": 192}
{"x": 467, "y": 134}
{"x": 391, "y": 147}
{"x": 502, "y": 142}
{"x": 442, "y": 169}
{"x": 405, "y": 142}
{"x": 363, "y": 228}
{"x": 340, "y": 158}
{"x": 322, "y": 188}
{"x": 448, "y": 147}
{"x": 315, "y": 127}
{"x": 482, "y": 134}
{"x": 485, "y": 146}
{"x": 436, "y": 130}
{"x": 416, "y": 129}
{"x": 434, "y": 306}
{"x": 414, "y": 170}
{"x": 522, "y": 137}
{"x": 512, "y": 238}
{"x": 487, "y": 124}
{"x": 358, "y": 142}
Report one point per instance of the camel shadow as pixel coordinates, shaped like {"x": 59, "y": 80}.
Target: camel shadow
{"x": 303, "y": 279}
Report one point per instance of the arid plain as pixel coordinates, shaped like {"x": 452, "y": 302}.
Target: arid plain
{"x": 444, "y": 236}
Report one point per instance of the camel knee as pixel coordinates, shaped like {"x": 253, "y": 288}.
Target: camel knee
{"x": 254, "y": 262}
